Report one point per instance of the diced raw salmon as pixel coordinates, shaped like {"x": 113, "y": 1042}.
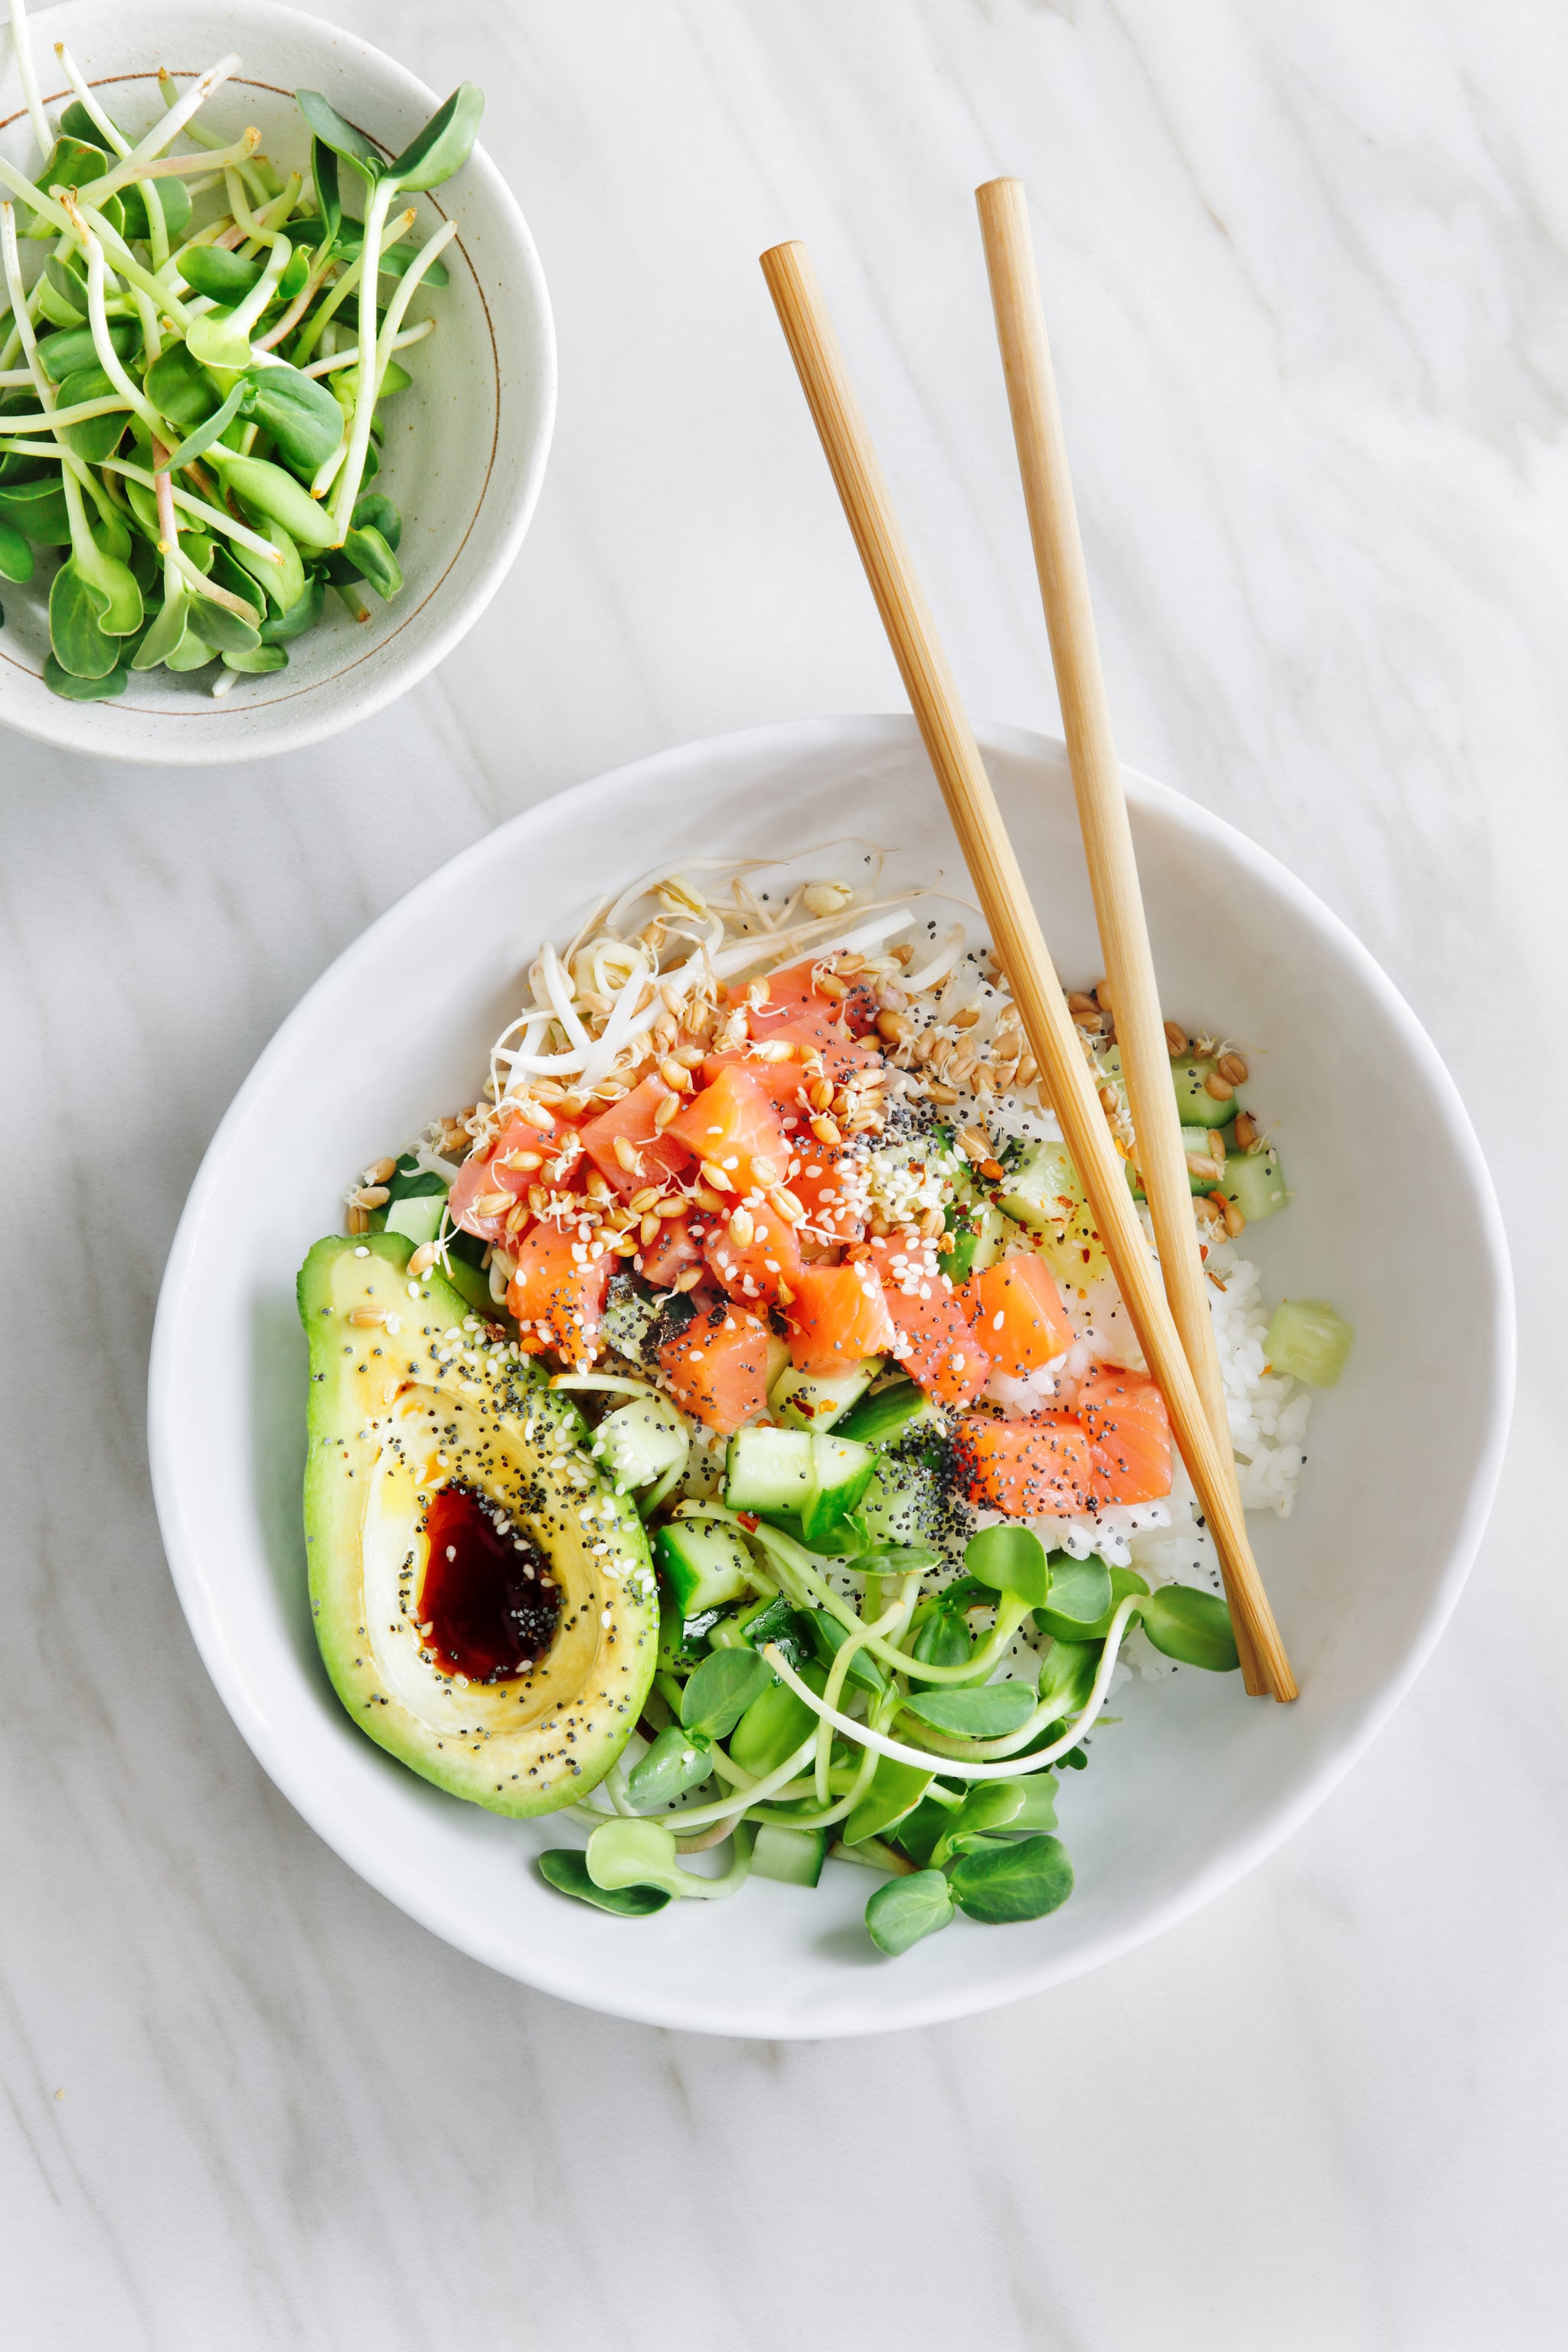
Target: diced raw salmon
{"x": 1124, "y": 1416}
{"x": 676, "y": 1247}
{"x": 837, "y": 1318}
{"x": 732, "y": 1127}
{"x": 936, "y": 1344}
{"x": 751, "y": 1271}
{"x": 717, "y": 1368}
{"x": 484, "y": 1176}
{"x": 558, "y": 1291}
{"x": 824, "y": 1185}
{"x": 1017, "y": 1313}
{"x": 782, "y": 1082}
{"x": 1028, "y": 1469}
{"x": 656, "y": 1153}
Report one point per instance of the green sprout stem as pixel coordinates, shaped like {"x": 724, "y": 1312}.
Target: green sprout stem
{"x": 164, "y": 134}
{"x": 43, "y": 136}
{"x": 959, "y": 1767}
{"x": 348, "y": 359}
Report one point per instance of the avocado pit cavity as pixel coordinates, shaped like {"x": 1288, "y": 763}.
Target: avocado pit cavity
{"x": 486, "y": 1597}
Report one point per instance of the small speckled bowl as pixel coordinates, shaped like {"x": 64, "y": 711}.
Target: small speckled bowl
{"x": 466, "y": 443}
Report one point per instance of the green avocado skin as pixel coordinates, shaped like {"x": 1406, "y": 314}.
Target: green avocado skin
{"x": 395, "y": 1408}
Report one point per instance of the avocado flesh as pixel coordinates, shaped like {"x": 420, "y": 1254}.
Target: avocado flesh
{"x": 389, "y": 1425}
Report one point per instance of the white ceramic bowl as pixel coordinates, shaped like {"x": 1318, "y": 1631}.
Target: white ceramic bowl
{"x": 465, "y": 443}
{"x": 1197, "y": 1784}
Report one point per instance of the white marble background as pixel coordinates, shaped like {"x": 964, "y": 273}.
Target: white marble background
{"x": 1306, "y": 272}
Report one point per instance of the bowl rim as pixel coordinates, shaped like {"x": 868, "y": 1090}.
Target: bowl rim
{"x": 1245, "y": 1850}
{"x": 204, "y": 737}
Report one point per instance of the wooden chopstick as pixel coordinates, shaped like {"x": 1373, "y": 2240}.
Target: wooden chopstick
{"x": 1015, "y": 929}
{"x": 1101, "y": 804}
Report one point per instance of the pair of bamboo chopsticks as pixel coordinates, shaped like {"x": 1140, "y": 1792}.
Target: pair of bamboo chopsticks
{"x": 1171, "y": 1322}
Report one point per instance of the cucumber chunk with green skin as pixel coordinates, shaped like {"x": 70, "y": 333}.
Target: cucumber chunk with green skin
{"x": 703, "y": 1566}
{"x": 420, "y": 1218}
{"x": 878, "y": 1420}
{"x": 768, "y": 1470}
{"x": 979, "y": 1237}
{"x": 1042, "y": 1188}
{"x": 794, "y": 1856}
{"x": 1309, "y": 1339}
{"x": 809, "y": 1401}
{"x": 1198, "y": 1105}
{"x": 817, "y": 1479}
{"x": 1255, "y": 1181}
{"x": 640, "y": 1442}
{"x": 1196, "y": 1143}
{"x": 902, "y": 1504}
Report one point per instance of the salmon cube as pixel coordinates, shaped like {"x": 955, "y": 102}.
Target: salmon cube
{"x": 677, "y": 1247}
{"x": 839, "y": 1317}
{"x": 1037, "y": 1468}
{"x": 516, "y": 1160}
{"x": 716, "y": 1369}
{"x": 1017, "y": 1314}
{"x": 732, "y": 1127}
{"x": 1129, "y": 1434}
{"x": 936, "y": 1345}
{"x": 752, "y": 1270}
{"x": 655, "y": 1153}
{"x": 557, "y": 1292}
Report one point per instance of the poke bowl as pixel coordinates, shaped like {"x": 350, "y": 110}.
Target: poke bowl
{"x": 457, "y": 430}
{"x": 1363, "y": 1516}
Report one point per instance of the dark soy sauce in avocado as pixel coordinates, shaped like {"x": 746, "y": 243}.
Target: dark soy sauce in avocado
{"x": 482, "y": 1595}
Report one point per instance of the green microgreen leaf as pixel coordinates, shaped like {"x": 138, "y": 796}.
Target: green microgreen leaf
{"x": 1067, "y": 1675}
{"x": 226, "y": 277}
{"x": 81, "y": 643}
{"x": 15, "y": 554}
{"x": 895, "y": 1791}
{"x": 1192, "y": 1626}
{"x": 942, "y": 1639}
{"x": 566, "y": 1869}
{"x": 212, "y": 428}
{"x": 324, "y": 172}
{"x": 908, "y": 1908}
{"x": 340, "y": 137}
{"x": 61, "y": 355}
{"x": 721, "y": 1690}
{"x": 259, "y": 661}
{"x": 296, "y": 618}
{"x": 777, "y": 1622}
{"x": 96, "y": 437}
{"x": 1079, "y": 1589}
{"x": 1010, "y": 1559}
{"x": 179, "y": 387}
{"x": 828, "y": 1637}
{"x": 374, "y": 560}
{"x": 444, "y": 145}
{"x": 82, "y": 690}
{"x": 1123, "y": 1581}
{"x": 676, "y": 1762}
{"x": 1000, "y": 1884}
{"x": 989, "y": 1712}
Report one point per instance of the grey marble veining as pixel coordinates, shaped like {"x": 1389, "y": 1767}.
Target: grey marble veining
{"x": 1307, "y": 274}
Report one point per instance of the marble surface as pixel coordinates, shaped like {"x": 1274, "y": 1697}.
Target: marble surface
{"x": 1306, "y": 273}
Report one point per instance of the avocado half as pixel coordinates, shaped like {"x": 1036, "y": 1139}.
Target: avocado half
{"x": 422, "y": 1417}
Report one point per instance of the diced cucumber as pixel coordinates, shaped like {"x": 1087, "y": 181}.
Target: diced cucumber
{"x": 1196, "y": 1143}
{"x": 878, "y": 1420}
{"x": 702, "y": 1565}
{"x": 795, "y": 1856}
{"x": 640, "y": 1440}
{"x": 1255, "y": 1181}
{"x": 1309, "y": 1339}
{"x": 1042, "y": 1188}
{"x": 768, "y": 1470}
{"x": 418, "y": 1218}
{"x": 1198, "y": 1105}
{"x": 978, "y": 1237}
{"x": 809, "y": 1401}
{"x": 902, "y": 1504}
{"x": 817, "y": 1478}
